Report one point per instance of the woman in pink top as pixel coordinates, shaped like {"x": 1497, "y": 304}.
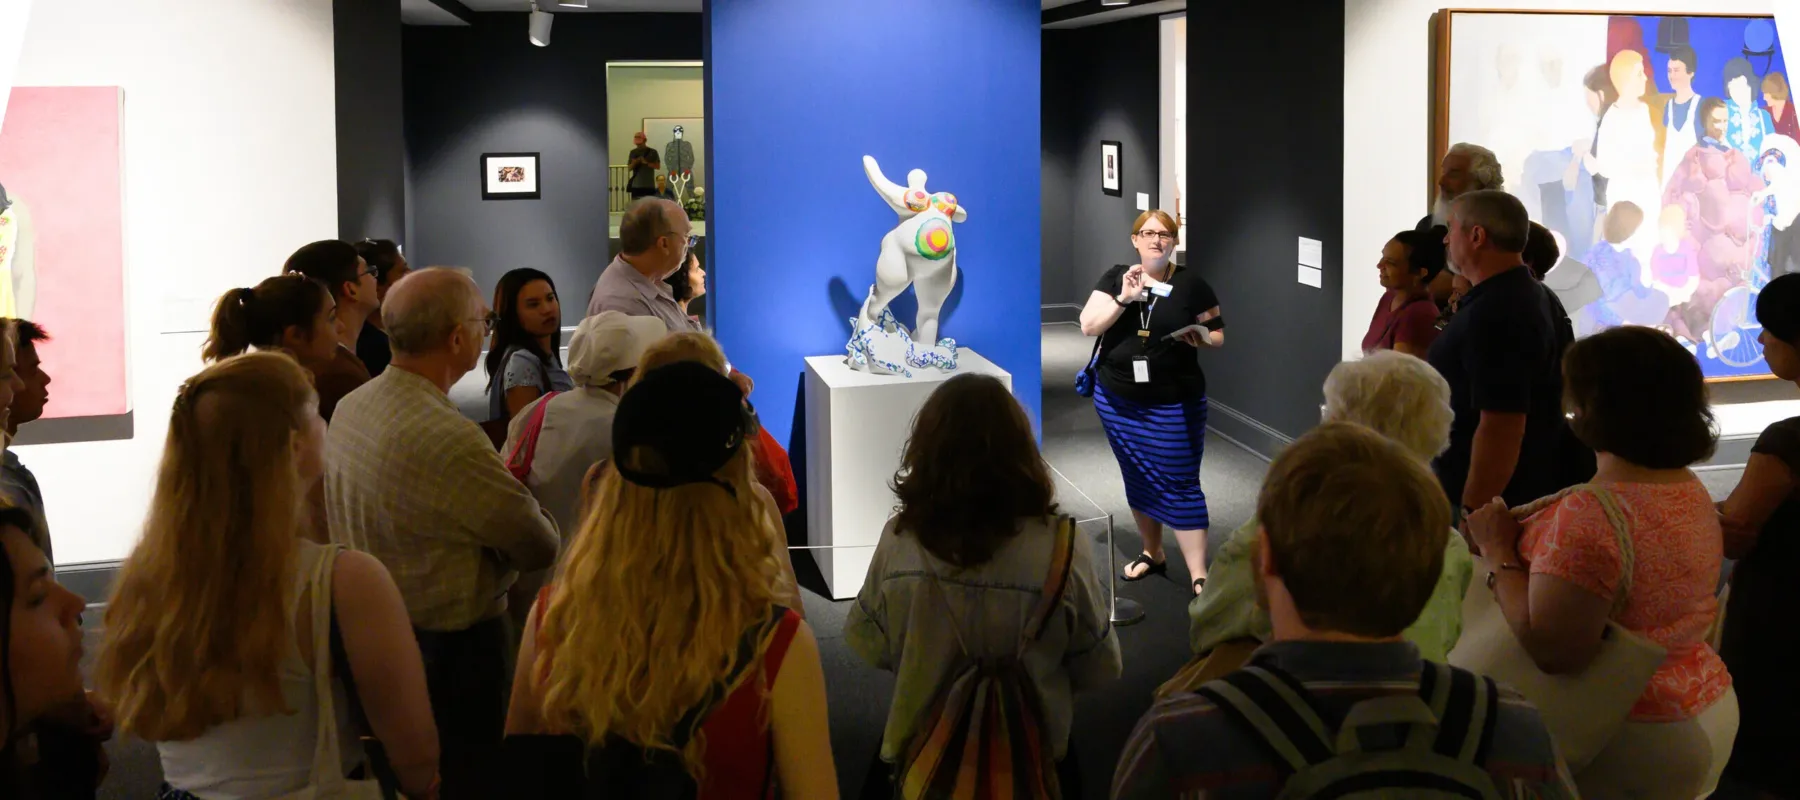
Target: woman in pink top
{"x": 1406, "y": 318}
{"x": 1637, "y": 397}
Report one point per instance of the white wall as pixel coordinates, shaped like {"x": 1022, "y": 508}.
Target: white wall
{"x": 1387, "y": 131}
{"x": 230, "y": 164}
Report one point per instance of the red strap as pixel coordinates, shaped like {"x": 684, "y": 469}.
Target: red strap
{"x": 519, "y": 461}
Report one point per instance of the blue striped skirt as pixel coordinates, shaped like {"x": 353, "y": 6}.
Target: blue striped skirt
{"x": 1159, "y": 449}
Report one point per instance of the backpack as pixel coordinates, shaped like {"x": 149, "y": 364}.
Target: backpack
{"x": 563, "y": 766}
{"x": 1448, "y": 725}
{"x": 982, "y": 736}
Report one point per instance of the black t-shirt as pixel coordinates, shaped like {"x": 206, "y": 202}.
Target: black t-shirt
{"x": 1502, "y": 352}
{"x": 643, "y": 176}
{"x": 1175, "y": 373}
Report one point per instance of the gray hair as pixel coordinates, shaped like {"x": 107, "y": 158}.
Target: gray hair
{"x": 1483, "y": 164}
{"x": 1504, "y": 218}
{"x": 1396, "y": 395}
{"x": 425, "y": 307}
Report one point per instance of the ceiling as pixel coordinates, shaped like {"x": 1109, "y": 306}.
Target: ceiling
{"x": 427, "y": 12}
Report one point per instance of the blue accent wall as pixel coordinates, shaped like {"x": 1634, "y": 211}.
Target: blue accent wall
{"x": 798, "y": 92}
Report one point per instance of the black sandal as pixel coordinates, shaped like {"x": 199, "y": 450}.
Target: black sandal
{"x": 1199, "y": 586}
{"x": 1154, "y": 568}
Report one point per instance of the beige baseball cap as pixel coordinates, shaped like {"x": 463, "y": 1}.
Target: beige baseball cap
{"x": 609, "y": 342}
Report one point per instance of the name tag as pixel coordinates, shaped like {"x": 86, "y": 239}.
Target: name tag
{"x": 1161, "y": 289}
{"x": 1140, "y": 370}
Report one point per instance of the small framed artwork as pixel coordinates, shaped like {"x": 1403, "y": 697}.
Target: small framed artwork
{"x": 509, "y": 176}
{"x": 1109, "y": 168}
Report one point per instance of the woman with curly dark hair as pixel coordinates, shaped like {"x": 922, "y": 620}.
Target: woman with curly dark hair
{"x": 957, "y": 572}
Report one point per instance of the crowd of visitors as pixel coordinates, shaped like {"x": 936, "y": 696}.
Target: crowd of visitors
{"x": 1491, "y": 571}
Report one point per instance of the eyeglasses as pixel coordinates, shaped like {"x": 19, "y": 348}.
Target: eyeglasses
{"x": 488, "y": 321}
{"x": 691, "y": 240}
{"x": 1163, "y": 235}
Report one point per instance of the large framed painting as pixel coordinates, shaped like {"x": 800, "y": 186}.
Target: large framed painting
{"x": 62, "y": 249}
{"x": 1660, "y": 151}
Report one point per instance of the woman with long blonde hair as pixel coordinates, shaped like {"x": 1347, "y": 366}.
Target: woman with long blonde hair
{"x": 211, "y": 630}
{"x": 663, "y": 632}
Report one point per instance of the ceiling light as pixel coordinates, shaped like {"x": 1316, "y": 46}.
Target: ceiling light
{"x": 1115, "y": 2}
{"x": 540, "y": 26}
{"x": 572, "y": 3}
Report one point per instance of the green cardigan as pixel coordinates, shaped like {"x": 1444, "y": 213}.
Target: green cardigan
{"x": 1227, "y": 609}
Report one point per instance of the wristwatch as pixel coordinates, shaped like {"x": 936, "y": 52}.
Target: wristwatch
{"x": 1505, "y": 565}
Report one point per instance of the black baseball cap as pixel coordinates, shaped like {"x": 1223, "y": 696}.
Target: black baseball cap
{"x": 679, "y": 424}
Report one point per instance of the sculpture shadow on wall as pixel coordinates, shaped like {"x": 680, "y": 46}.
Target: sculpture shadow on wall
{"x": 848, "y": 304}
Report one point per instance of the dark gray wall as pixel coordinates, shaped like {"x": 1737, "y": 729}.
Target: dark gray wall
{"x": 486, "y": 88}
{"x": 1274, "y": 173}
{"x": 371, "y": 139}
{"x": 1099, "y": 84}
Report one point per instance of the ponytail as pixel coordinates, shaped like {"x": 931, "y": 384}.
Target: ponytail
{"x": 231, "y": 324}
{"x": 246, "y": 318}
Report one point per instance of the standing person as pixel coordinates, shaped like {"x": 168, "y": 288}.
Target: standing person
{"x": 576, "y": 430}
{"x": 1151, "y": 392}
{"x": 1406, "y": 318}
{"x": 1502, "y": 354}
{"x": 40, "y": 668}
{"x": 1337, "y": 602}
{"x": 1760, "y": 644}
{"x": 655, "y": 238}
{"x": 956, "y": 576}
{"x": 223, "y": 596}
{"x": 524, "y": 361}
{"x": 414, "y": 483}
{"x": 1559, "y": 574}
{"x": 1465, "y": 168}
{"x": 710, "y": 673}
{"x": 643, "y": 166}
{"x": 383, "y": 256}
{"x": 289, "y": 312}
{"x": 1682, "y": 126}
{"x": 17, "y": 483}
{"x": 352, "y": 284}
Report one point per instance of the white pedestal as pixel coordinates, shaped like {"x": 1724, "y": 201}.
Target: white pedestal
{"x": 856, "y": 429}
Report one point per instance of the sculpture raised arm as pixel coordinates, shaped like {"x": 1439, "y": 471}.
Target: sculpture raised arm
{"x": 897, "y": 196}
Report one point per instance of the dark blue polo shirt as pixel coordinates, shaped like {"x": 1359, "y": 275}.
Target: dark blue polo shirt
{"x": 1502, "y": 352}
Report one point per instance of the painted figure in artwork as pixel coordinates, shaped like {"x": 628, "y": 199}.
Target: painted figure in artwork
{"x": 1627, "y": 154}
{"x": 919, "y": 252}
{"x": 1777, "y": 102}
{"x": 1681, "y": 115}
{"x": 18, "y": 267}
{"x": 1715, "y": 186}
{"x": 1746, "y": 121}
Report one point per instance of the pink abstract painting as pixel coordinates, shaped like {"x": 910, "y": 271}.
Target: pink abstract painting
{"x": 65, "y": 266}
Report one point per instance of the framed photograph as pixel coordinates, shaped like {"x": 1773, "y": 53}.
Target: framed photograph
{"x": 509, "y": 176}
{"x": 1655, "y": 149}
{"x": 1109, "y": 168}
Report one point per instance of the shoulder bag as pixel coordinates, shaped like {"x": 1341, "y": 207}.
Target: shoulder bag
{"x": 518, "y": 462}
{"x": 1583, "y": 711}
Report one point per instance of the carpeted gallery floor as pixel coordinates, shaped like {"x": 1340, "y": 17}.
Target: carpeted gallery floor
{"x": 1089, "y": 486}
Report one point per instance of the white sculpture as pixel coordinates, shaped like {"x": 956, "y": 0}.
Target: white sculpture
{"x": 921, "y": 252}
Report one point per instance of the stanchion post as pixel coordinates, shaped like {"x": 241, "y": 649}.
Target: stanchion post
{"x": 1125, "y": 611}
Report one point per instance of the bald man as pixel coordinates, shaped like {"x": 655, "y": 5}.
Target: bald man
{"x": 412, "y": 482}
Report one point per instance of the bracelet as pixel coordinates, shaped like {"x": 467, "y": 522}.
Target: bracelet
{"x": 1115, "y": 299}
{"x": 1502, "y": 567}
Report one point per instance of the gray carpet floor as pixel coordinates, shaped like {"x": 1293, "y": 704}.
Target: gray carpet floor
{"x": 1088, "y": 487}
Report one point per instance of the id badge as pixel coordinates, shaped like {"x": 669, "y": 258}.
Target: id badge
{"x": 1140, "y": 370}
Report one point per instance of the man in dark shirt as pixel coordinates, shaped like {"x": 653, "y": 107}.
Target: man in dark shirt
{"x": 1502, "y": 355}
{"x": 643, "y": 165}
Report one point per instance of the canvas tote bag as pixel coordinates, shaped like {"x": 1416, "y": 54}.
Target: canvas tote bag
{"x": 328, "y": 781}
{"x": 1583, "y": 711}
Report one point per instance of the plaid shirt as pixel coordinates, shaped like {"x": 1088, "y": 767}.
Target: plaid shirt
{"x": 1186, "y": 747}
{"x": 412, "y": 482}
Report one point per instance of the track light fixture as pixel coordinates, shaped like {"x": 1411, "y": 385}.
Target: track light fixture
{"x": 1115, "y": 2}
{"x": 540, "y": 26}
{"x": 572, "y": 3}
